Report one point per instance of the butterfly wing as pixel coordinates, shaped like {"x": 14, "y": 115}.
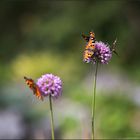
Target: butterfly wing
{"x": 85, "y": 37}
{"x": 92, "y": 36}
{"x": 38, "y": 93}
{"x": 113, "y": 48}
{"x": 32, "y": 85}
{"x": 90, "y": 47}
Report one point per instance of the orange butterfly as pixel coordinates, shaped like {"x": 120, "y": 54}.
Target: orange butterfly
{"x": 32, "y": 85}
{"x": 90, "y": 47}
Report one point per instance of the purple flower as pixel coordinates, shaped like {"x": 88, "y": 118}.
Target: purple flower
{"x": 102, "y": 53}
{"x": 50, "y": 84}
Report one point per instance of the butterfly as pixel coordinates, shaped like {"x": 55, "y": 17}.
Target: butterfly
{"x": 90, "y": 47}
{"x": 113, "y": 47}
{"x": 32, "y": 85}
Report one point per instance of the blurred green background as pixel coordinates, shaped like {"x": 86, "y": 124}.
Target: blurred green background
{"x": 40, "y": 36}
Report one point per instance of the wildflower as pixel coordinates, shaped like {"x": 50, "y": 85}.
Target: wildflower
{"x": 102, "y": 53}
{"x": 50, "y": 84}
{"x": 96, "y": 52}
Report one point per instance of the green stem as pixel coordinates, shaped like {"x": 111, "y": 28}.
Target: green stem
{"x": 52, "y": 121}
{"x": 93, "y": 101}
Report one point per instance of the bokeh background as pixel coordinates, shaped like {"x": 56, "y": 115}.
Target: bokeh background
{"x": 40, "y": 36}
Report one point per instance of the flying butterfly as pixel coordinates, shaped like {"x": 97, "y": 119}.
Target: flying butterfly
{"x": 90, "y": 47}
{"x": 32, "y": 85}
{"x": 113, "y": 47}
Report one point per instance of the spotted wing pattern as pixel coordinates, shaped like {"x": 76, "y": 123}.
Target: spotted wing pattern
{"x": 32, "y": 85}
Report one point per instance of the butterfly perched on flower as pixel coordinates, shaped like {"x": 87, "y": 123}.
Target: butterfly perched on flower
{"x": 90, "y": 47}
{"x": 113, "y": 47}
{"x": 33, "y": 86}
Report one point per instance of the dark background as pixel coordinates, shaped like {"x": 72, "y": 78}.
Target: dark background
{"x": 40, "y": 36}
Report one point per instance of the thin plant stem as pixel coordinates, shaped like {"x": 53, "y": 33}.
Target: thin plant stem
{"x": 93, "y": 101}
{"x": 51, "y": 113}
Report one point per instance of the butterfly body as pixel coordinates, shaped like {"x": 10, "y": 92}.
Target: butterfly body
{"x": 90, "y": 47}
{"x": 32, "y": 85}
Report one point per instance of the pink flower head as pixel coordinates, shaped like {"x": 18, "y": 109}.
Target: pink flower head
{"x": 102, "y": 53}
{"x": 50, "y": 84}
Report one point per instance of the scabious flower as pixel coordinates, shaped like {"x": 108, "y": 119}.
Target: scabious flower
{"x": 50, "y": 84}
{"x": 102, "y": 53}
